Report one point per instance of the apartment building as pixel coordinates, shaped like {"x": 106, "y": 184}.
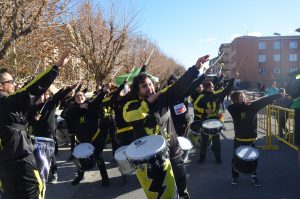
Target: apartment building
{"x": 264, "y": 59}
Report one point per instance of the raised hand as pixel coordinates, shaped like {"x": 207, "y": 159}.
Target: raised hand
{"x": 64, "y": 59}
{"x": 201, "y": 61}
{"x": 152, "y": 98}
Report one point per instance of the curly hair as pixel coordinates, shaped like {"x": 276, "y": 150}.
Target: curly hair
{"x": 140, "y": 79}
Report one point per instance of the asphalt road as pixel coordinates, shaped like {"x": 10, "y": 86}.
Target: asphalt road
{"x": 278, "y": 172}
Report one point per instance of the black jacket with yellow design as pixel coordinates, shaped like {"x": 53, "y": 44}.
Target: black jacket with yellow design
{"x": 245, "y": 116}
{"x": 14, "y": 140}
{"x": 156, "y": 118}
{"x": 210, "y": 100}
{"x": 85, "y": 121}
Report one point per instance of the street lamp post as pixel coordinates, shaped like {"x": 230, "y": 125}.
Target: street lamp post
{"x": 280, "y": 67}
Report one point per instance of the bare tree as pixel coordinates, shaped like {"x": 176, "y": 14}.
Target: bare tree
{"x": 99, "y": 40}
{"x": 19, "y": 18}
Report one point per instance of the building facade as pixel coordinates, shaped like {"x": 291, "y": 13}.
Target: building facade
{"x": 264, "y": 59}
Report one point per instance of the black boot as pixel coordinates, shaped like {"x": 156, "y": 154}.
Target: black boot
{"x": 78, "y": 178}
{"x": 103, "y": 172}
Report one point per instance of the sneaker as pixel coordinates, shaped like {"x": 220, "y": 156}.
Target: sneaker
{"x": 77, "y": 180}
{"x": 234, "y": 181}
{"x": 105, "y": 182}
{"x": 53, "y": 178}
{"x": 255, "y": 181}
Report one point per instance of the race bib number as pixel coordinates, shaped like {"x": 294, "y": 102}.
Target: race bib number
{"x": 179, "y": 109}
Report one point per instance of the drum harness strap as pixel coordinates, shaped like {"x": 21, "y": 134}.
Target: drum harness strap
{"x": 161, "y": 120}
{"x": 94, "y": 136}
{"x": 122, "y": 130}
{"x": 245, "y": 139}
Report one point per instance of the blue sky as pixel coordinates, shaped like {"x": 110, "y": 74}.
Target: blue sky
{"x": 188, "y": 29}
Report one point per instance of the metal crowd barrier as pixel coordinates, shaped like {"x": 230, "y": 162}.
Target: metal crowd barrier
{"x": 270, "y": 118}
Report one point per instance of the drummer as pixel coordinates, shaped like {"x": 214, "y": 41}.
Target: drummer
{"x": 41, "y": 118}
{"x": 244, "y": 117}
{"x": 85, "y": 116}
{"x": 207, "y": 106}
{"x": 146, "y": 107}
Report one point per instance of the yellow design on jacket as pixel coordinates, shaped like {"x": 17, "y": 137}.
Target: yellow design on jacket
{"x": 82, "y": 120}
{"x": 243, "y": 115}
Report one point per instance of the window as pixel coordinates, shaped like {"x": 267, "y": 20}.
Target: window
{"x": 277, "y": 70}
{"x": 262, "y": 45}
{"x": 292, "y": 57}
{"x": 261, "y": 58}
{"x": 276, "y": 58}
{"x": 292, "y": 69}
{"x": 261, "y": 71}
{"x": 293, "y": 44}
{"x": 277, "y": 45}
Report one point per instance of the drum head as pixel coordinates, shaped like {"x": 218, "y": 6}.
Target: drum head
{"x": 185, "y": 143}
{"x": 247, "y": 153}
{"x": 145, "y": 147}
{"x": 120, "y": 153}
{"x": 83, "y": 150}
{"x": 212, "y": 124}
{"x": 196, "y": 127}
{"x": 43, "y": 139}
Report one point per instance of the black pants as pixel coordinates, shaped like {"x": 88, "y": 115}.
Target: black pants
{"x": 100, "y": 163}
{"x": 107, "y": 127}
{"x": 98, "y": 144}
{"x": 281, "y": 120}
{"x": 180, "y": 175}
{"x": 216, "y": 146}
{"x": 21, "y": 179}
{"x": 236, "y": 144}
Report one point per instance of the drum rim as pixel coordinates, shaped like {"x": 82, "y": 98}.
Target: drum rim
{"x": 208, "y": 120}
{"x": 185, "y": 140}
{"x": 161, "y": 149}
{"x": 246, "y": 146}
{"x": 121, "y": 150}
{"x": 84, "y": 143}
{"x": 37, "y": 138}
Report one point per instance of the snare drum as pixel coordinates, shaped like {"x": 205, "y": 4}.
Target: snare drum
{"x": 194, "y": 133}
{"x": 43, "y": 150}
{"x": 84, "y": 157}
{"x": 186, "y": 146}
{"x": 122, "y": 161}
{"x": 245, "y": 159}
{"x": 212, "y": 127}
{"x": 150, "y": 159}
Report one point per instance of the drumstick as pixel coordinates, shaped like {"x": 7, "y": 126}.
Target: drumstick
{"x": 130, "y": 73}
{"x": 147, "y": 61}
{"x": 116, "y": 72}
{"x": 217, "y": 60}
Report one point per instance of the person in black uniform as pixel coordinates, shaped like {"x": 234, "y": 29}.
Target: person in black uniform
{"x": 18, "y": 170}
{"x": 244, "y": 115}
{"x": 207, "y": 106}
{"x": 107, "y": 116}
{"x": 85, "y": 117}
{"x": 42, "y": 122}
{"x": 66, "y": 104}
{"x": 145, "y": 108}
